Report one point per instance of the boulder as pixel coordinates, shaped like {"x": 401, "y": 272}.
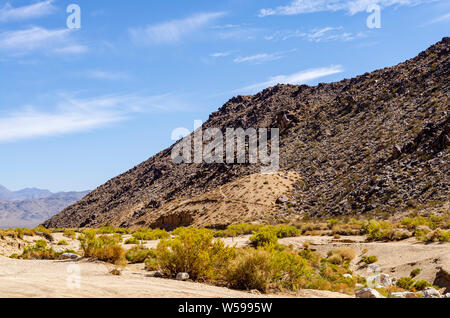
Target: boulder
{"x": 430, "y": 292}
{"x": 282, "y": 199}
{"x": 182, "y": 276}
{"x": 443, "y": 278}
{"x": 348, "y": 276}
{"x": 380, "y": 280}
{"x": 368, "y": 293}
{"x": 71, "y": 256}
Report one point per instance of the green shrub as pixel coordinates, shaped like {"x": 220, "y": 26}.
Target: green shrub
{"x": 421, "y": 285}
{"x": 445, "y": 237}
{"x": 193, "y": 251}
{"x": 283, "y": 231}
{"x": 369, "y": 259}
{"x": 151, "y": 264}
{"x": 63, "y": 242}
{"x": 335, "y": 259}
{"x": 104, "y": 248}
{"x": 252, "y": 269}
{"x": 346, "y": 253}
{"x": 70, "y": 234}
{"x": 415, "y": 272}
{"x": 238, "y": 230}
{"x": 151, "y": 235}
{"x": 39, "y": 251}
{"x": 132, "y": 240}
{"x": 139, "y": 254}
{"x": 378, "y": 231}
{"x": 264, "y": 236}
{"x": 405, "y": 283}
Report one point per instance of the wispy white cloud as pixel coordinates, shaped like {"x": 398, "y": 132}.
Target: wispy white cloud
{"x": 351, "y": 6}
{"x": 442, "y": 18}
{"x": 220, "y": 54}
{"x": 301, "y": 77}
{"x": 172, "y": 31}
{"x": 72, "y": 115}
{"x": 37, "y": 38}
{"x": 318, "y": 35}
{"x": 9, "y": 13}
{"x": 258, "y": 58}
{"x": 105, "y": 75}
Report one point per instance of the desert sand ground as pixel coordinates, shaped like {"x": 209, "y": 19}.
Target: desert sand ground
{"x": 54, "y": 279}
{"x": 20, "y": 278}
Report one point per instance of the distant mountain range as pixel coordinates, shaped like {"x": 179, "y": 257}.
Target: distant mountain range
{"x": 30, "y": 207}
{"x": 24, "y": 194}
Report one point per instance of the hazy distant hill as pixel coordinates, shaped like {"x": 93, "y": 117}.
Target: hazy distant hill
{"x": 38, "y": 206}
{"x": 376, "y": 143}
{"x": 24, "y": 194}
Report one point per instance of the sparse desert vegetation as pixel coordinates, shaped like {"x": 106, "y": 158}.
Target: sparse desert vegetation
{"x": 265, "y": 263}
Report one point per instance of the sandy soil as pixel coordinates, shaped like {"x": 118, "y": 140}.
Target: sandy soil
{"x": 20, "y": 278}
{"x": 52, "y": 279}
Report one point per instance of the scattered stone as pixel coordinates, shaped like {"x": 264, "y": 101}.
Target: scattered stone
{"x": 373, "y": 268}
{"x": 406, "y": 294}
{"x": 182, "y": 276}
{"x": 447, "y": 295}
{"x": 71, "y": 256}
{"x": 368, "y": 293}
{"x": 348, "y": 276}
{"x": 430, "y": 292}
{"x": 159, "y": 274}
{"x": 380, "y": 280}
{"x": 402, "y": 234}
{"x": 282, "y": 199}
{"x": 255, "y": 292}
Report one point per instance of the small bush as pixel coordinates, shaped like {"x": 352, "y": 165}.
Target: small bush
{"x": 335, "y": 259}
{"x": 421, "y": 285}
{"x": 369, "y": 259}
{"x": 283, "y": 231}
{"x": 151, "y": 264}
{"x": 104, "y": 248}
{"x": 193, "y": 251}
{"x": 132, "y": 240}
{"x": 347, "y": 253}
{"x": 378, "y": 231}
{"x": 445, "y": 237}
{"x": 70, "y": 234}
{"x": 238, "y": 230}
{"x": 263, "y": 237}
{"x": 415, "y": 272}
{"x": 39, "y": 251}
{"x": 63, "y": 242}
{"x": 405, "y": 283}
{"x": 252, "y": 269}
{"x": 139, "y": 254}
{"x": 151, "y": 235}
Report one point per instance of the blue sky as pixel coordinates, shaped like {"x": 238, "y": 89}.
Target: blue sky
{"x": 80, "y": 106}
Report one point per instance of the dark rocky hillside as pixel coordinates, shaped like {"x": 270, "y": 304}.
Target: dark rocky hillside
{"x": 377, "y": 143}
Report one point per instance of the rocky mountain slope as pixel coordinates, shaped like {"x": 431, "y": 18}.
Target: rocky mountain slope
{"x": 377, "y": 143}
{"x": 32, "y": 212}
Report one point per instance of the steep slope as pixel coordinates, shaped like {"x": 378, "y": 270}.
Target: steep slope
{"x": 32, "y": 212}
{"x": 374, "y": 143}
